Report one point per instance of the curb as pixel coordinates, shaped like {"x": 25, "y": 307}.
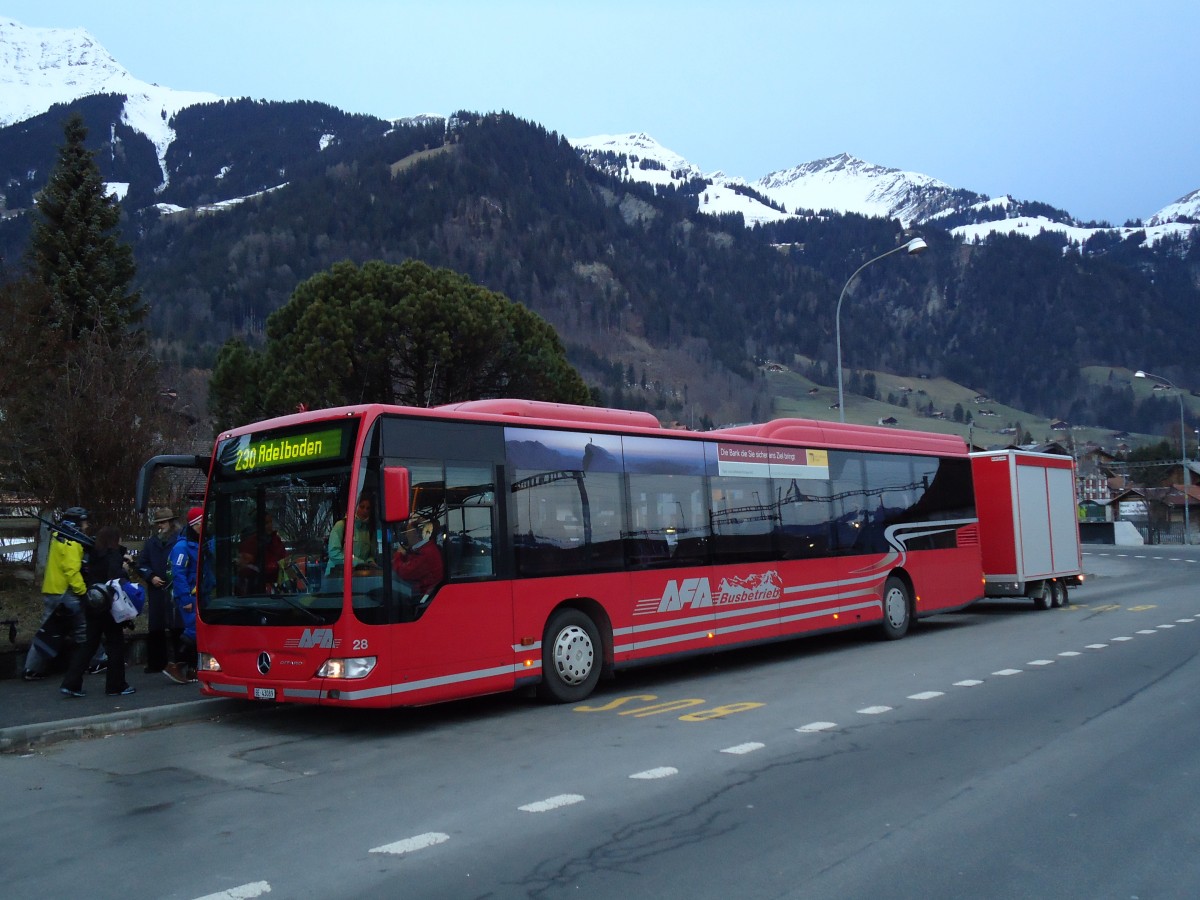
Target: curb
{"x": 40, "y": 733}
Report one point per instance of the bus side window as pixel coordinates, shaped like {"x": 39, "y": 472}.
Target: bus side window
{"x": 470, "y": 520}
{"x": 669, "y": 521}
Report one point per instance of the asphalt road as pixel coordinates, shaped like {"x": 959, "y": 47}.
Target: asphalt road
{"x": 999, "y": 752}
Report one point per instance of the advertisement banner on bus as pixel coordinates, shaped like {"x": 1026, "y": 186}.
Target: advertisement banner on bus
{"x": 771, "y": 462}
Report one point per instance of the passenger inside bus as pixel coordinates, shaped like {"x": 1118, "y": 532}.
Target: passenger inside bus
{"x": 363, "y": 547}
{"x": 259, "y": 571}
{"x": 418, "y": 559}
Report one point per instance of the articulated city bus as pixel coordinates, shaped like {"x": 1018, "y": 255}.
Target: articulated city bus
{"x": 422, "y": 555}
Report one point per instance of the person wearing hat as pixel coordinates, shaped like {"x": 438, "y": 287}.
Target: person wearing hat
{"x": 184, "y": 558}
{"x": 164, "y": 625}
{"x": 62, "y": 586}
{"x": 418, "y": 560}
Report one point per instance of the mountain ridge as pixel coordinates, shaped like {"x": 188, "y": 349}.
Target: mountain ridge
{"x": 43, "y": 66}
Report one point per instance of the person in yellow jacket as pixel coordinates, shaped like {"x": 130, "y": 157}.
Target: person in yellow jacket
{"x": 62, "y": 586}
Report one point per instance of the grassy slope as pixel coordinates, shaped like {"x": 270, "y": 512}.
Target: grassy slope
{"x": 792, "y": 399}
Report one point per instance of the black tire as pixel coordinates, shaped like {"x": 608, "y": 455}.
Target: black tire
{"x": 897, "y": 609}
{"x": 572, "y": 657}
{"x": 1059, "y": 594}
{"x": 1044, "y": 598}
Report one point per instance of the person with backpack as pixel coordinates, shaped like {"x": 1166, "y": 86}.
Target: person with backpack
{"x": 108, "y": 564}
{"x": 63, "y": 589}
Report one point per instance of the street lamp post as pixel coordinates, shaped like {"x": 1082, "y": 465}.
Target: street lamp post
{"x": 1187, "y": 524}
{"x": 913, "y": 247}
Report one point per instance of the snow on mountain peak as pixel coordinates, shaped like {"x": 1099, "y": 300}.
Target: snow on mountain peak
{"x": 643, "y": 157}
{"x": 1186, "y": 207}
{"x": 40, "y": 67}
{"x": 849, "y": 184}
{"x": 43, "y": 66}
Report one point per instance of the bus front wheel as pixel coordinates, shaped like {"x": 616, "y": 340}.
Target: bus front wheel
{"x": 571, "y": 657}
{"x": 897, "y": 609}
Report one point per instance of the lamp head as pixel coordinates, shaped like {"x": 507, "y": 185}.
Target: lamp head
{"x": 916, "y": 246}
{"x": 1139, "y": 374}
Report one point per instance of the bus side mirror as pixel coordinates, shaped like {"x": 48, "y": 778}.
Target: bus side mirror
{"x": 396, "y": 486}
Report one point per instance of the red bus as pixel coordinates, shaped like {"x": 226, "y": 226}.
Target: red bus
{"x": 559, "y": 542}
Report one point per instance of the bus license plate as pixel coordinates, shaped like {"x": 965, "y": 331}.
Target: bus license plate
{"x": 264, "y": 693}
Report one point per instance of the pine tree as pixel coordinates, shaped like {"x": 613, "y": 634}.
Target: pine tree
{"x": 76, "y": 251}
{"x": 79, "y": 390}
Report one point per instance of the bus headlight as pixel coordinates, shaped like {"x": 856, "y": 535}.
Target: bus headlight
{"x": 206, "y": 662}
{"x": 354, "y": 667}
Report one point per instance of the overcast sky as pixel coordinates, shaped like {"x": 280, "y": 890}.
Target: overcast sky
{"x": 1089, "y": 105}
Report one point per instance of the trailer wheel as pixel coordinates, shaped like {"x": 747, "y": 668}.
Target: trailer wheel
{"x": 1044, "y": 599}
{"x": 1058, "y": 595}
{"x": 897, "y": 609}
{"x": 571, "y": 657}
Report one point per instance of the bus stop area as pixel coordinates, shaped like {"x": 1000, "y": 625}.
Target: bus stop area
{"x": 35, "y": 712}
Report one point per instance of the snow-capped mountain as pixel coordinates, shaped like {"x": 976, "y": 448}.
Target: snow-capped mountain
{"x": 40, "y": 67}
{"x": 845, "y": 183}
{"x": 841, "y": 183}
{"x": 1187, "y": 207}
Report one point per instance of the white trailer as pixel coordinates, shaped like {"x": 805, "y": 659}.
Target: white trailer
{"x": 1028, "y": 525}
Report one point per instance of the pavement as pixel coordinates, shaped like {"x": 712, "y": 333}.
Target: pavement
{"x": 34, "y": 713}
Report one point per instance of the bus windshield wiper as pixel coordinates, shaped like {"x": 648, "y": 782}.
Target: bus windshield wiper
{"x": 296, "y": 604}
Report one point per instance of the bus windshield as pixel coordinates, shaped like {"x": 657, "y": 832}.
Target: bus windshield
{"x": 273, "y": 501}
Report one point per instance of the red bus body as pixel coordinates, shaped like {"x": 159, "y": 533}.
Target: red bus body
{"x": 486, "y": 630}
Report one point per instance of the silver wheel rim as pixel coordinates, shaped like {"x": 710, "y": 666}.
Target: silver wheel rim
{"x": 573, "y": 655}
{"x": 897, "y": 607}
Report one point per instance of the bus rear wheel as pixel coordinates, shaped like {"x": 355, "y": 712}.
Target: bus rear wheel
{"x": 897, "y": 609}
{"x": 571, "y": 657}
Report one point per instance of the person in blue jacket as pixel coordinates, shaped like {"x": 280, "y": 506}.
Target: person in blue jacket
{"x": 184, "y": 556}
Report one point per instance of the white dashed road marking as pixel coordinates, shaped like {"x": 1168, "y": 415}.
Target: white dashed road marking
{"x": 1040, "y": 662}
{"x": 552, "y": 803}
{"x": 408, "y": 845}
{"x": 660, "y": 772}
{"x": 874, "y": 710}
{"x": 1070, "y": 653}
{"x": 968, "y": 682}
{"x": 243, "y": 892}
{"x": 813, "y": 727}
{"x": 1096, "y": 646}
{"x": 748, "y": 747}
{"x": 1147, "y": 631}
{"x": 925, "y": 695}
{"x": 1123, "y": 638}
{"x": 1008, "y": 672}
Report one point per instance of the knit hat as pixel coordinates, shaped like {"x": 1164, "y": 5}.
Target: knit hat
{"x": 195, "y": 514}
{"x": 162, "y": 514}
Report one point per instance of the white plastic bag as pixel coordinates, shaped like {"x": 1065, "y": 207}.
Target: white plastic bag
{"x": 123, "y": 609}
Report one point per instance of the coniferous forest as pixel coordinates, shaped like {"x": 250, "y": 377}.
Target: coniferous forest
{"x": 644, "y": 291}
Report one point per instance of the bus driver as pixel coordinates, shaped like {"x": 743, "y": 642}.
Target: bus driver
{"x": 417, "y": 560}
